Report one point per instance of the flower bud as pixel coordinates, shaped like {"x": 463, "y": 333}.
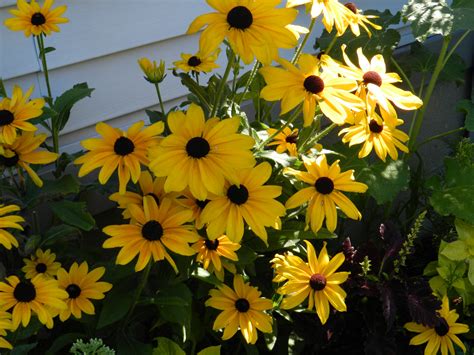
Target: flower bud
{"x": 154, "y": 73}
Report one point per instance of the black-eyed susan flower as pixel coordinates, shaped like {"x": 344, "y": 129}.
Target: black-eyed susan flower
{"x": 24, "y": 151}
{"x": 200, "y": 154}
{"x": 443, "y": 335}
{"x": 81, "y": 286}
{"x": 242, "y": 307}
{"x": 152, "y": 230}
{"x": 197, "y": 62}
{"x": 195, "y": 205}
{"x": 309, "y": 85}
{"x": 282, "y": 260}
{"x": 254, "y": 28}
{"x": 249, "y": 200}
{"x": 316, "y": 280}
{"x": 285, "y": 140}
{"x": 11, "y": 221}
{"x": 325, "y": 194}
{"x": 39, "y": 295}
{"x": 15, "y": 113}
{"x": 31, "y": 18}
{"x": 119, "y": 150}
{"x": 154, "y": 73}
{"x": 376, "y": 134}
{"x": 5, "y": 324}
{"x": 212, "y": 254}
{"x": 360, "y": 20}
{"x": 41, "y": 263}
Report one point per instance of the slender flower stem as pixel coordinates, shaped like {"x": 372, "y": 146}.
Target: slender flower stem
{"x": 162, "y": 106}
{"x": 293, "y": 117}
{"x": 319, "y": 136}
{"x": 220, "y": 89}
{"x": 402, "y": 73}
{"x": 418, "y": 121}
{"x": 255, "y": 68}
{"x": 303, "y": 42}
{"x": 441, "y": 135}
{"x": 331, "y": 44}
{"x": 141, "y": 286}
{"x": 456, "y": 45}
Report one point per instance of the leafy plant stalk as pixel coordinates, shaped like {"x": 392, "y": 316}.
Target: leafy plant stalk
{"x": 293, "y": 117}
{"x": 158, "y": 93}
{"x": 303, "y": 42}
{"x": 441, "y": 135}
{"x": 220, "y": 89}
{"x": 255, "y": 68}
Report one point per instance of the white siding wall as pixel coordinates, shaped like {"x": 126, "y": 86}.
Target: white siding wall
{"x": 101, "y": 45}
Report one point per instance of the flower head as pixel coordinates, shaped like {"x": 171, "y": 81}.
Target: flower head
{"x": 286, "y": 140}
{"x": 197, "y": 62}
{"x": 31, "y": 18}
{"x": 43, "y": 263}
{"x": 154, "y": 73}
{"x": 12, "y": 221}
{"x": 359, "y": 19}
{"x": 242, "y": 307}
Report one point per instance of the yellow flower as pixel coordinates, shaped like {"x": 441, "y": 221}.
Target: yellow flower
{"x": 241, "y": 308}
{"x": 197, "y": 62}
{"x": 119, "y": 150}
{"x": 254, "y": 28}
{"x": 280, "y": 261}
{"x": 40, "y": 295}
{"x": 81, "y": 286}
{"x": 307, "y": 84}
{"x": 199, "y": 154}
{"x": 285, "y": 140}
{"x": 375, "y": 133}
{"x": 443, "y": 335}
{"x": 15, "y": 113}
{"x": 360, "y": 20}
{"x": 195, "y": 205}
{"x": 209, "y": 253}
{"x": 5, "y": 324}
{"x": 152, "y": 229}
{"x": 6, "y": 238}
{"x": 248, "y": 200}
{"x": 324, "y": 194}
{"x": 24, "y": 151}
{"x": 31, "y": 18}
{"x": 154, "y": 73}
{"x": 318, "y": 280}
{"x": 43, "y": 263}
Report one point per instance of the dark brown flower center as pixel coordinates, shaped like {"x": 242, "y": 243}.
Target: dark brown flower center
{"x": 238, "y": 195}
{"x": 240, "y": 17}
{"x": 372, "y": 77}
{"x": 442, "y": 327}
{"x": 314, "y": 84}
{"x": 194, "y": 61}
{"x": 6, "y": 117}
{"x": 38, "y": 19}
{"x": 197, "y": 147}
{"x": 152, "y": 230}
{"x": 156, "y": 198}
{"x": 375, "y": 127}
{"x": 24, "y": 292}
{"x": 73, "y": 291}
{"x": 242, "y": 305}
{"x": 292, "y": 138}
{"x": 40, "y": 268}
{"x": 10, "y": 161}
{"x": 317, "y": 282}
{"x": 212, "y": 244}
{"x": 124, "y": 146}
{"x": 202, "y": 203}
{"x": 351, "y": 6}
{"x": 324, "y": 185}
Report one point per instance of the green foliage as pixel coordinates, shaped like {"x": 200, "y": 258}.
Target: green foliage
{"x": 65, "y": 102}
{"x": 463, "y": 11}
{"x": 119, "y": 301}
{"x": 73, "y": 213}
{"x": 467, "y": 106}
{"x": 95, "y": 346}
{"x": 167, "y": 347}
{"x": 212, "y": 350}
{"x": 174, "y": 304}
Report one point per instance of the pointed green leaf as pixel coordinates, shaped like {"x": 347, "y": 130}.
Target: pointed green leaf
{"x": 212, "y": 350}
{"x": 167, "y": 347}
{"x": 456, "y": 250}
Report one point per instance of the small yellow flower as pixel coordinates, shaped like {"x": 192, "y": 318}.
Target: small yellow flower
{"x": 6, "y": 238}
{"x": 241, "y": 308}
{"x": 43, "y": 263}
{"x": 197, "y": 62}
{"x": 154, "y": 73}
{"x": 360, "y": 19}
{"x": 279, "y": 262}
{"x": 285, "y": 140}
{"x": 5, "y": 324}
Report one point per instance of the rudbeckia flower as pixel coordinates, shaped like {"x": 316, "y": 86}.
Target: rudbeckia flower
{"x": 81, "y": 286}
{"x": 280, "y": 261}
{"x": 6, "y": 238}
{"x": 195, "y": 205}
{"x": 286, "y": 140}
{"x": 242, "y": 307}
{"x": 43, "y": 263}
{"x": 360, "y": 20}
{"x": 254, "y": 28}
{"x": 309, "y": 85}
{"x": 152, "y": 230}
{"x": 324, "y": 194}
{"x": 40, "y": 295}
{"x": 212, "y": 254}
{"x": 154, "y": 73}
{"x": 15, "y": 113}
{"x": 197, "y": 62}
{"x": 199, "y": 154}
{"x": 375, "y": 133}
{"x": 249, "y": 200}
{"x": 31, "y": 18}
{"x": 119, "y": 150}
{"x": 443, "y": 335}
{"x": 5, "y": 324}
{"x": 317, "y": 279}
{"x": 24, "y": 151}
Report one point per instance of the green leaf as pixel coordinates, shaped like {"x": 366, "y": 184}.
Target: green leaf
{"x": 155, "y": 116}
{"x": 386, "y": 180}
{"x": 64, "y": 103}
{"x": 61, "y": 231}
{"x": 456, "y": 250}
{"x": 167, "y": 347}
{"x": 62, "y": 341}
{"x": 430, "y": 269}
{"x": 281, "y": 159}
{"x": 463, "y": 11}
{"x": 46, "y": 51}
{"x": 467, "y": 106}
{"x": 3, "y": 92}
{"x": 211, "y": 350}
{"x": 438, "y": 284}
{"x": 180, "y": 313}
{"x": 32, "y": 243}
{"x": 53, "y": 189}
{"x": 74, "y": 214}
{"x": 23, "y": 349}
{"x": 470, "y": 272}
{"x": 246, "y": 255}
{"x": 118, "y": 302}
{"x": 428, "y": 18}
{"x": 206, "y": 276}
{"x": 465, "y": 232}
{"x": 47, "y": 114}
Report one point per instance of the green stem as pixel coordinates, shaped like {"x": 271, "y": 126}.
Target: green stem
{"x": 441, "y": 135}
{"x": 402, "y": 73}
{"x": 255, "y": 68}
{"x": 418, "y": 121}
{"x": 331, "y": 44}
{"x": 318, "y": 137}
{"x": 293, "y": 117}
{"x": 158, "y": 93}
{"x": 303, "y": 42}
{"x": 456, "y": 45}
{"x": 138, "y": 293}
{"x": 220, "y": 89}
